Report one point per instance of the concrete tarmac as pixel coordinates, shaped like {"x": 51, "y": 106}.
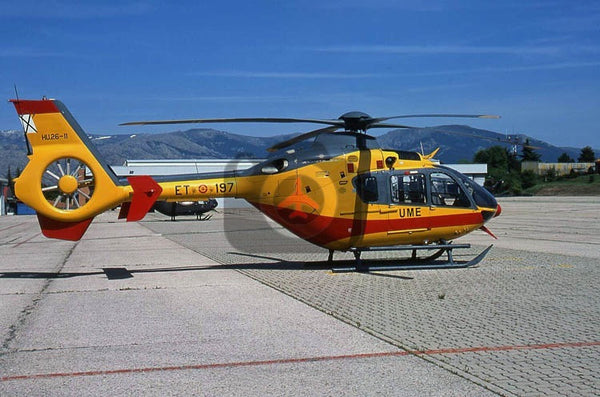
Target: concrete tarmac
{"x": 126, "y": 311}
{"x": 183, "y": 308}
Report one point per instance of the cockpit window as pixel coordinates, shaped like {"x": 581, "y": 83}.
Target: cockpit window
{"x": 408, "y": 189}
{"x": 445, "y": 191}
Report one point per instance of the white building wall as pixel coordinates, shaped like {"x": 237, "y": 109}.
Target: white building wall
{"x": 477, "y": 172}
{"x": 3, "y": 183}
{"x": 561, "y": 169}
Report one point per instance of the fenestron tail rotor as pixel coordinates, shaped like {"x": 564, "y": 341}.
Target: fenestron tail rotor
{"x": 67, "y": 184}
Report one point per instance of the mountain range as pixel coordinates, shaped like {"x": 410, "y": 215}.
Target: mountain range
{"x": 457, "y": 143}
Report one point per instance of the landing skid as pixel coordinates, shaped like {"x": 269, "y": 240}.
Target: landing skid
{"x": 416, "y": 262}
{"x": 201, "y": 217}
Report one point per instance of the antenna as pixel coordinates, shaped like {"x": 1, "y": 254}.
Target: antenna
{"x": 29, "y": 151}
{"x": 516, "y": 143}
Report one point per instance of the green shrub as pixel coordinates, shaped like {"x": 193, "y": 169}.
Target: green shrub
{"x": 528, "y": 179}
{"x": 549, "y": 175}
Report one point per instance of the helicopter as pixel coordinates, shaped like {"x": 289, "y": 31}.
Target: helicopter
{"x": 179, "y": 208}
{"x": 334, "y": 186}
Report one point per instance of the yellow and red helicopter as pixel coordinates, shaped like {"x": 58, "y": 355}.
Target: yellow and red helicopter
{"x": 334, "y": 186}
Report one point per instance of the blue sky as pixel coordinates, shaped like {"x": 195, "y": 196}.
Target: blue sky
{"x": 536, "y": 63}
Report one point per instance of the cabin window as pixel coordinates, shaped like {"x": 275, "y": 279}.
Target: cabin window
{"x": 408, "y": 189}
{"x": 445, "y": 191}
{"x": 366, "y": 188}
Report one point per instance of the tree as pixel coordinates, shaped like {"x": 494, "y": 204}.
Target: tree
{"x": 513, "y": 162}
{"x": 503, "y": 169}
{"x": 565, "y": 158}
{"x": 494, "y": 157}
{"x": 528, "y": 153}
{"x": 11, "y": 181}
{"x": 550, "y": 174}
{"x": 587, "y": 155}
{"x": 528, "y": 179}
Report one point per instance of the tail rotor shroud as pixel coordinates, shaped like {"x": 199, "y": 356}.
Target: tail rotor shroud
{"x": 67, "y": 184}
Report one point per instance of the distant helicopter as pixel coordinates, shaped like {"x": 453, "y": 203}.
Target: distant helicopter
{"x": 336, "y": 189}
{"x": 180, "y": 208}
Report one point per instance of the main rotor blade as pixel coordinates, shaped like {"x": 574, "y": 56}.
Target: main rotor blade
{"x": 388, "y": 125}
{"x": 473, "y": 116}
{"x": 339, "y": 123}
{"x": 300, "y": 138}
{"x": 489, "y": 138}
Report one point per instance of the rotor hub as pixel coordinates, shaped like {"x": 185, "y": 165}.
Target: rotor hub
{"x": 67, "y": 184}
{"x": 356, "y": 121}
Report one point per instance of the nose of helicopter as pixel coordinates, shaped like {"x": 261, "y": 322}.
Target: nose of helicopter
{"x": 498, "y": 210}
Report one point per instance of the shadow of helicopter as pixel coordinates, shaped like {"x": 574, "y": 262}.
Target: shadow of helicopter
{"x": 270, "y": 263}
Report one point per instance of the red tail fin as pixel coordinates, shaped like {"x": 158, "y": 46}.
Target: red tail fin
{"x": 145, "y": 193}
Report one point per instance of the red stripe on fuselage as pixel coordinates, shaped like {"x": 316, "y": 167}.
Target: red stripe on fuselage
{"x": 34, "y": 106}
{"x": 323, "y": 230}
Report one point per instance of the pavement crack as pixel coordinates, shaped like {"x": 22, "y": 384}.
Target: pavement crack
{"x": 14, "y": 329}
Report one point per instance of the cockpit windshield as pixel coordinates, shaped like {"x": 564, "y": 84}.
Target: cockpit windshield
{"x": 480, "y": 195}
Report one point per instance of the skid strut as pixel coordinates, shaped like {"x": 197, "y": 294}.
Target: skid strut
{"x": 417, "y": 263}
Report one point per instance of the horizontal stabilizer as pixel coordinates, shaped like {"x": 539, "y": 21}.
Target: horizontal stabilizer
{"x": 145, "y": 193}
{"x": 72, "y": 231}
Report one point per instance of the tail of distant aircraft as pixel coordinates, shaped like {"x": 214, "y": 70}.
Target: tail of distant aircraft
{"x": 65, "y": 181}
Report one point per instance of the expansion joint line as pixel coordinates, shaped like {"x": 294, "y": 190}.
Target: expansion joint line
{"x": 26, "y": 312}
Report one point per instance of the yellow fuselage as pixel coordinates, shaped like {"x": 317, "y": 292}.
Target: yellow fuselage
{"x": 319, "y": 203}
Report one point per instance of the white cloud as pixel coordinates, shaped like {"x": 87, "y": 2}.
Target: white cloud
{"x": 72, "y": 9}
{"x": 440, "y": 49}
{"x": 30, "y": 53}
{"x": 441, "y": 72}
{"x": 510, "y": 69}
{"x": 286, "y": 75}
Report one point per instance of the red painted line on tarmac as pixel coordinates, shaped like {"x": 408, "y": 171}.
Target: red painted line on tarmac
{"x": 302, "y": 360}
{"x": 206, "y": 366}
{"x": 506, "y": 348}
